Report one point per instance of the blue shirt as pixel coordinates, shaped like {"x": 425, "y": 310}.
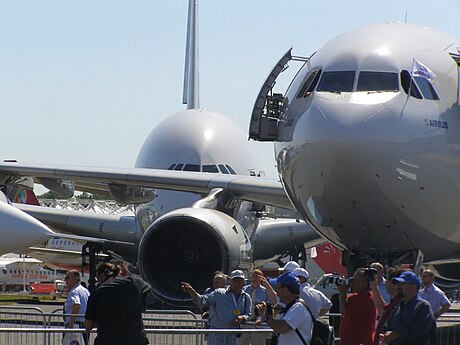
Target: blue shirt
{"x": 226, "y": 307}
{"x": 383, "y": 291}
{"x": 261, "y": 293}
{"x": 434, "y": 296}
{"x": 413, "y": 320}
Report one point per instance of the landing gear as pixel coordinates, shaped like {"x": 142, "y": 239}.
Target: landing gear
{"x": 91, "y": 250}
{"x": 413, "y": 259}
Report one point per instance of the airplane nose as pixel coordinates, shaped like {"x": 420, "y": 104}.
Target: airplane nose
{"x": 19, "y": 230}
{"x": 351, "y": 117}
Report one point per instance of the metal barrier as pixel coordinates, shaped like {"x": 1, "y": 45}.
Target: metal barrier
{"x": 24, "y": 325}
{"x": 160, "y": 336}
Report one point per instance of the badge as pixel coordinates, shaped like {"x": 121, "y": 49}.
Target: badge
{"x": 236, "y": 312}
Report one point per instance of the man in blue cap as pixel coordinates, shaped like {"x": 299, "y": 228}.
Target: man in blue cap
{"x": 296, "y": 316}
{"x": 412, "y": 320}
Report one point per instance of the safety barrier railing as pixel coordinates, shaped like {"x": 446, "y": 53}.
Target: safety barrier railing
{"x": 160, "y": 336}
{"x": 181, "y": 324}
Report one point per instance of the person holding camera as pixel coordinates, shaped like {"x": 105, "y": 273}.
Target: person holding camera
{"x": 357, "y": 310}
{"x": 385, "y": 309}
{"x": 231, "y": 307}
{"x": 381, "y": 282}
{"x": 296, "y": 324}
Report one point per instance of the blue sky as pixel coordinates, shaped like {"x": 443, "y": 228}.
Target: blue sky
{"x": 84, "y": 82}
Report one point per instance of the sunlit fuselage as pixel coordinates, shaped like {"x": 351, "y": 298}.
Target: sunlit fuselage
{"x": 377, "y": 171}
{"x": 201, "y": 139}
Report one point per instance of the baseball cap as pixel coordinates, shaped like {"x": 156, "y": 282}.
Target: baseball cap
{"x": 237, "y": 274}
{"x": 290, "y": 266}
{"x": 407, "y": 276}
{"x": 288, "y": 279}
{"x": 301, "y": 272}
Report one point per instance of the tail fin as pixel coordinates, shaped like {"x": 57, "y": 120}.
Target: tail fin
{"x": 25, "y": 197}
{"x": 329, "y": 258}
{"x": 191, "y": 95}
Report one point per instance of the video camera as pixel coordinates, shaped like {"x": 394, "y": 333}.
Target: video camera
{"x": 369, "y": 274}
{"x": 338, "y": 279}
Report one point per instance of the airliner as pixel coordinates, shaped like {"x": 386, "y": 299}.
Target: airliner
{"x": 18, "y": 271}
{"x": 367, "y": 151}
{"x": 200, "y": 231}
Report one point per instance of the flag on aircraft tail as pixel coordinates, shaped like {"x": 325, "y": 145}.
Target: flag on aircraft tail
{"x": 421, "y": 70}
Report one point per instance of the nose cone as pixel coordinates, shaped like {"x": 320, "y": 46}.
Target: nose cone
{"x": 343, "y": 147}
{"x": 19, "y": 230}
{"x": 355, "y": 117}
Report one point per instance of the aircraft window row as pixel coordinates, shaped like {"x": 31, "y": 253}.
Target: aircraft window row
{"x": 377, "y": 81}
{"x": 5, "y": 271}
{"x": 427, "y": 89}
{"x": 62, "y": 242}
{"x": 418, "y": 87}
{"x": 341, "y": 81}
{"x": 310, "y": 84}
{"x": 209, "y": 168}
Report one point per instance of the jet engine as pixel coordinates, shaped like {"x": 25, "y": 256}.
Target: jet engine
{"x": 188, "y": 245}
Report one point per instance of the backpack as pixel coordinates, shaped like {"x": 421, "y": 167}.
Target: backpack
{"x": 322, "y": 333}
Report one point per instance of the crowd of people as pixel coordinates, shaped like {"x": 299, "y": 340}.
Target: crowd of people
{"x": 395, "y": 306}
{"x": 384, "y": 307}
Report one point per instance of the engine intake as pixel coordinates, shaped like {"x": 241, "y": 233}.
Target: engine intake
{"x": 189, "y": 245}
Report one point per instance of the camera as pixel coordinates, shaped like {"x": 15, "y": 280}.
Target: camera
{"x": 369, "y": 274}
{"x": 339, "y": 279}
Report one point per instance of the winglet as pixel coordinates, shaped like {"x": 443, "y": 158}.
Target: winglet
{"x": 191, "y": 95}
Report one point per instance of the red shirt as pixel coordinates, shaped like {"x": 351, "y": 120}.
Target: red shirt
{"x": 387, "y": 309}
{"x": 358, "y": 323}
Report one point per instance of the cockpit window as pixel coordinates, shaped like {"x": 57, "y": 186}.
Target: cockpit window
{"x": 309, "y": 84}
{"x": 192, "y": 167}
{"x": 408, "y": 83}
{"x": 230, "y": 169}
{"x": 341, "y": 81}
{"x": 223, "y": 169}
{"x": 377, "y": 81}
{"x": 178, "y": 166}
{"x": 210, "y": 168}
{"x": 171, "y": 167}
{"x": 426, "y": 88}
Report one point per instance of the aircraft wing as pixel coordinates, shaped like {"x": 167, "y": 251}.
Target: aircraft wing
{"x": 95, "y": 179}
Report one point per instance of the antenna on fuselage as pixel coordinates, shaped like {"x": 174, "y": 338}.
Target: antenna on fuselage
{"x": 405, "y": 18}
{"x": 191, "y": 95}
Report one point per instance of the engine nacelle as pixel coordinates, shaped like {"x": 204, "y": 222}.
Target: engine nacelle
{"x": 188, "y": 245}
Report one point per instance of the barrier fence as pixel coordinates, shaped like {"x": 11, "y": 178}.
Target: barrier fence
{"x": 20, "y": 325}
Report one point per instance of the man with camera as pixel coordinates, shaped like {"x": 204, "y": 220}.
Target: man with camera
{"x": 380, "y": 279}
{"x": 357, "y": 310}
{"x": 295, "y": 325}
{"x": 385, "y": 309}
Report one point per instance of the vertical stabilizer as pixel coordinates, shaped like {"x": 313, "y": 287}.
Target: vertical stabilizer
{"x": 191, "y": 95}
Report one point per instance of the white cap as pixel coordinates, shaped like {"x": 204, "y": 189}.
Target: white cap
{"x": 237, "y": 274}
{"x": 301, "y": 272}
{"x": 290, "y": 266}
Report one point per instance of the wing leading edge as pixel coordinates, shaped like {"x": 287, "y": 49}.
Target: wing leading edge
{"x": 255, "y": 189}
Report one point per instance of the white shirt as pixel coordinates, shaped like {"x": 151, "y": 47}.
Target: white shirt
{"x": 315, "y": 299}
{"x": 299, "y": 318}
{"x": 77, "y": 295}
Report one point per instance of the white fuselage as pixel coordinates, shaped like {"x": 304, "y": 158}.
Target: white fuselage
{"x": 377, "y": 171}
{"x": 192, "y": 140}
